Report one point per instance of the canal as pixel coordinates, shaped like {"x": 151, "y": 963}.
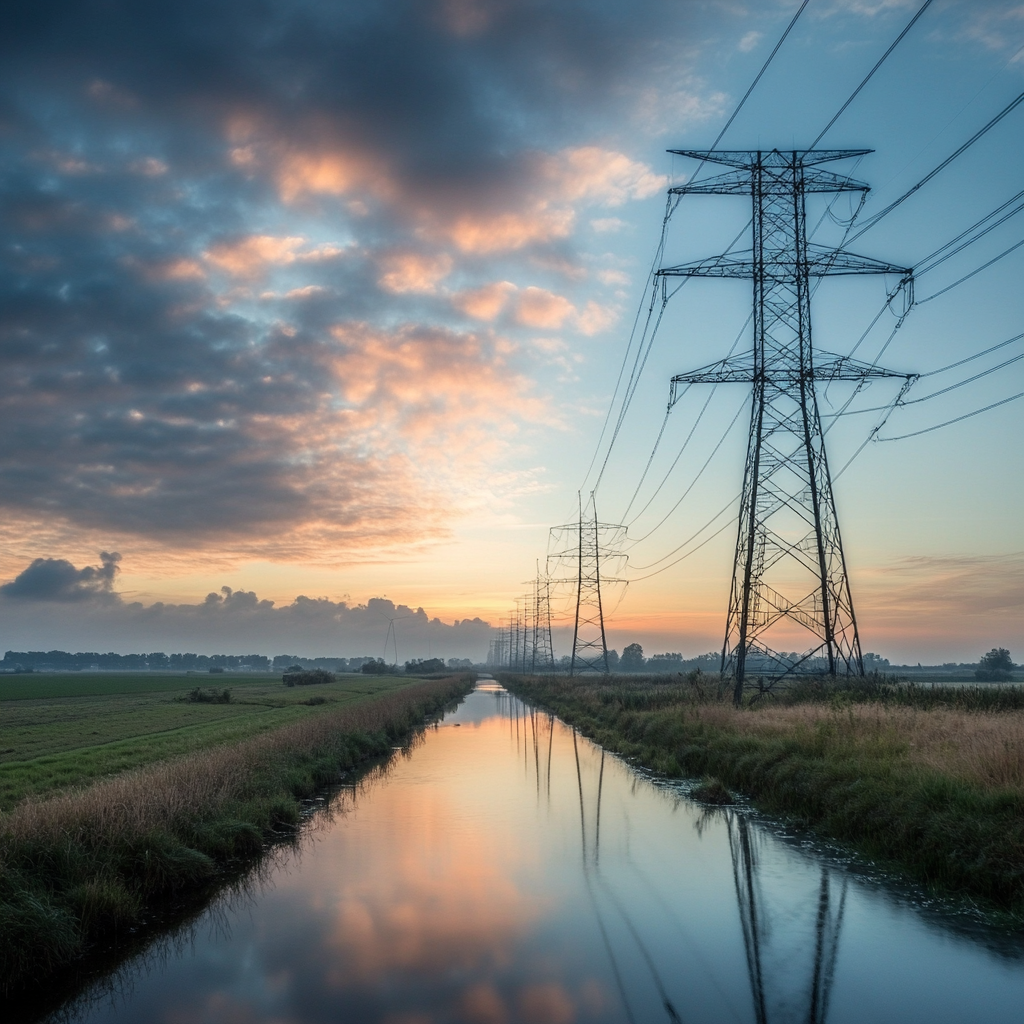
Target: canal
{"x": 503, "y": 869}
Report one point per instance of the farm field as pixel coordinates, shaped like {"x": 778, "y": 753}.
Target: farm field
{"x": 60, "y": 730}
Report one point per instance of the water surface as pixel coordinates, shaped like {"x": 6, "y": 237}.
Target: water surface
{"x": 504, "y": 869}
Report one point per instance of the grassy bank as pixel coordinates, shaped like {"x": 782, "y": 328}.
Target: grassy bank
{"x": 79, "y": 866}
{"x": 61, "y": 730}
{"x": 928, "y": 780}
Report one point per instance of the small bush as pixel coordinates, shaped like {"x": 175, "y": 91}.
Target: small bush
{"x": 198, "y": 696}
{"x": 711, "y": 791}
{"x": 310, "y": 677}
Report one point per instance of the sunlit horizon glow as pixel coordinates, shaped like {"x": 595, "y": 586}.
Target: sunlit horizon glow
{"x": 328, "y": 302}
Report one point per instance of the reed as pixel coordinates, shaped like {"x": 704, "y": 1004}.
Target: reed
{"x": 78, "y": 866}
{"x": 928, "y": 781}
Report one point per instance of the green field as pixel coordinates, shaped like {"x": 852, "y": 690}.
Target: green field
{"x": 59, "y": 730}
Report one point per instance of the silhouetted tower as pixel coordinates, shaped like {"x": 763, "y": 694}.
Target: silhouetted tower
{"x": 584, "y": 550}
{"x": 543, "y": 652}
{"x": 789, "y": 567}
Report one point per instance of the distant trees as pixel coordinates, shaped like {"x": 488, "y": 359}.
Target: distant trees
{"x": 632, "y": 659}
{"x": 374, "y": 667}
{"x": 995, "y": 667}
{"x": 307, "y": 677}
{"x": 425, "y": 666}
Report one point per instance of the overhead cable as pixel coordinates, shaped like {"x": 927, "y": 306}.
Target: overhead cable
{"x": 867, "y": 78}
{"x": 872, "y": 221}
{"x": 967, "y": 277}
{"x": 966, "y": 416}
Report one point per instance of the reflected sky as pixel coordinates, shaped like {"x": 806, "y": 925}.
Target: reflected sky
{"x": 506, "y": 870}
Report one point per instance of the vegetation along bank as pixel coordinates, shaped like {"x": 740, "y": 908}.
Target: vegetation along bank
{"x": 81, "y": 863}
{"x": 926, "y": 780}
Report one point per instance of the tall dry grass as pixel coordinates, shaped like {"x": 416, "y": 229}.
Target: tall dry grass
{"x": 78, "y": 865}
{"x": 930, "y": 780}
{"x": 980, "y": 748}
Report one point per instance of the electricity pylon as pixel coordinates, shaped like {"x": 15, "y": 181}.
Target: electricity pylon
{"x": 592, "y": 544}
{"x": 789, "y": 566}
{"x": 543, "y": 652}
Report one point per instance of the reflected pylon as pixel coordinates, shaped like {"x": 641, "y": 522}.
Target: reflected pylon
{"x": 754, "y": 923}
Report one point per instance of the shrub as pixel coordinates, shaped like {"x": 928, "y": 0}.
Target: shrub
{"x": 198, "y": 696}
{"x": 310, "y": 677}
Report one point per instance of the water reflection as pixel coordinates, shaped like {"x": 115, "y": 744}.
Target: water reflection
{"x": 507, "y": 870}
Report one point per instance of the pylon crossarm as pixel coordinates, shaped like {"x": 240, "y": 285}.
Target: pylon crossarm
{"x": 783, "y": 267}
{"x": 822, "y": 262}
{"x": 749, "y": 158}
{"x": 733, "y": 183}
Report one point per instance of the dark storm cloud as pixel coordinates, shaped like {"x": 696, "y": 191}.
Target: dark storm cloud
{"x": 195, "y": 194}
{"x": 56, "y": 579}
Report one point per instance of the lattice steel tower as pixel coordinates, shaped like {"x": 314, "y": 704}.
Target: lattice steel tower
{"x": 593, "y": 544}
{"x": 789, "y": 566}
{"x": 542, "y": 650}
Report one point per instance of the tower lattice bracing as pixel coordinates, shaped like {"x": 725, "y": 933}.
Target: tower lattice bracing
{"x": 789, "y": 575}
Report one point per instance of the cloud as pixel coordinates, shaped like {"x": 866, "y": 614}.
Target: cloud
{"x": 56, "y": 579}
{"x": 602, "y": 176}
{"x": 413, "y": 272}
{"x": 185, "y": 356}
{"x": 538, "y": 307}
{"x": 98, "y": 617}
{"x": 749, "y": 41}
{"x": 486, "y": 302}
{"x": 613, "y": 277}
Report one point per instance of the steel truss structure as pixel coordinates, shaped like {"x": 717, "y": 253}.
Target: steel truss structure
{"x": 593, "y": 544}
{"x": 789, "y": 566}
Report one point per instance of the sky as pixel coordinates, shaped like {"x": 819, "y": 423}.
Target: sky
{"x": 311, "y": 315}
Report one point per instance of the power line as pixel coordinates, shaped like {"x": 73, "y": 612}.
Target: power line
{"x": 872, "y": 221}
{"x": 930, "y": 262}
{"x": 657, "y": 258}
{"x": 721, "y": 512}
{"x": 977, "y": 355}
{"x": 967, "y": 277}
{"x": 966, "y": 416}
{"x": 700, "y": 472}
{"x": 867, "y": 78}
{"x": 757, "y": 78}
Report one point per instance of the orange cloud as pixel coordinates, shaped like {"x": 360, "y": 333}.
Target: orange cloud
{"x": 180, "y": 270}
{"x": 596, "y": 175}
{"x": 538, "y": 307}
{"x": 335, "y": 173}
{"x": 413, "y": 272}
{"x": 484, "y": 303}
{"x": 252, "y": 256}
{"x": 503, "y": 232}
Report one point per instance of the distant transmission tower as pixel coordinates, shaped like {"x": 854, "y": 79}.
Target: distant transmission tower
{"x": 592, "y": 544}
{"x": 543, "y": 652}
{"x": 789, "y": 567}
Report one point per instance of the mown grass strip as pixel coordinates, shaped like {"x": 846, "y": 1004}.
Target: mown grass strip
{"x": 78, "y": 866}
{"x": 935, "y": 788}
{"x": 49, "y": 743}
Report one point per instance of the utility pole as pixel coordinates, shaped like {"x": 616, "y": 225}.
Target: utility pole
{"x": 789, "y": 568}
